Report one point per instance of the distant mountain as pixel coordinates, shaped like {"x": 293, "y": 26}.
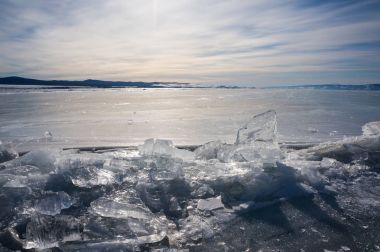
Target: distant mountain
{"x": 14, "y": 80}
{"x": 332, "y": 87}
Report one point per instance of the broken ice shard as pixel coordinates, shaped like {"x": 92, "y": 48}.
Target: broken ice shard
{"x": 203, "y": 191}
{"x": 121, "y": 204}
{"x": 53, "y": 202}
{"x": 352, "y": 149}
{"x": 7, "y": 153}
{"x": 208, "y": 150}
{"x": 116, "y": 209}
{"x": 371, "y": 129}
{"x": 183, "y": 154}
{"x": 210, "y": 204}
{"x": 126, "y": 205}
{"x": 92, "y": 176}
{"x": 43, "y": 159}
{"x": 261, "y": 128}
{"x": 156, "y": 147}
{"x": 32, "y": 181}
{"x": 195, "y": 228}
{"x": 160, "y": 147}
{"x": 256, "y": 141}
{"x": 166, "y": 168}
{"x": 46, "y": 231}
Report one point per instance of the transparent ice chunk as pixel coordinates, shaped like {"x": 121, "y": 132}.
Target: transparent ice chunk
{"x": 195, "y": 228}
{"x": 92, "y": 176}
{"x": 203, "y": 191}
{"x": 127, "y": 231}
{"x": 75, "y": 161}
{"x": 353, "y": 149}
{"x": 43, "y": 159}
{"x": 183, "y": 154}
{"x": 115, "y": 209}
{"x": 122, "y": 204}
{"x": 16, "y": 182}
{"x": 126, "y": 205}
{"x": 256, "y": 141}
{"x": 263, "y": 153}
{"x": 23, "y": 170}
{"x": 166, "y": 168}
{"x": 156, "y": 147}
{"x": 53, "y": 202}
{"x": 147, "y": 231}
{"x": 31, "y": 181}
{"x": 160, "y": 147}
{"x": 47, "y": 231}
{"x": 371, "y": 129}
{"x": 261, "y": 128}
{"x": 7, "y": 153}
{"x": 210, "y": 204}
{"x": 208, "y": 150}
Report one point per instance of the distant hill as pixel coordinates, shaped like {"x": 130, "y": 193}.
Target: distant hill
{"x": 14, "y": 80}
{"x": 332, "y": 87}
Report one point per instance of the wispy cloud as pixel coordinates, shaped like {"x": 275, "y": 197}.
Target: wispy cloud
{"x": 201, "y": 41}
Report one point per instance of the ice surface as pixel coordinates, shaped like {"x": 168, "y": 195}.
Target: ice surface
{"x": 210, "y": 200}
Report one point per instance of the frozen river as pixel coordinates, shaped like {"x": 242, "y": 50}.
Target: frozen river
{"x": 110, "y": 117}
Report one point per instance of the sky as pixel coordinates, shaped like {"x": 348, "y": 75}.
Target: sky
{"x": 212, "y": 42}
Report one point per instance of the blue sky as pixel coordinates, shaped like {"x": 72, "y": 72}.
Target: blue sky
{"x": 240, "y": 42}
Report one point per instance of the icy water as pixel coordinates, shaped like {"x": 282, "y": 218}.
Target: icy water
{"x": 249, "y": 194}
{"x": 186, "y": 116}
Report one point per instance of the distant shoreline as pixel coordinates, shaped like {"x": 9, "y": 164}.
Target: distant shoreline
{"x": 15, "y": 82}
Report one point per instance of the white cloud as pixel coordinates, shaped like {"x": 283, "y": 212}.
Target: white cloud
{"x": 189, "y": 40}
